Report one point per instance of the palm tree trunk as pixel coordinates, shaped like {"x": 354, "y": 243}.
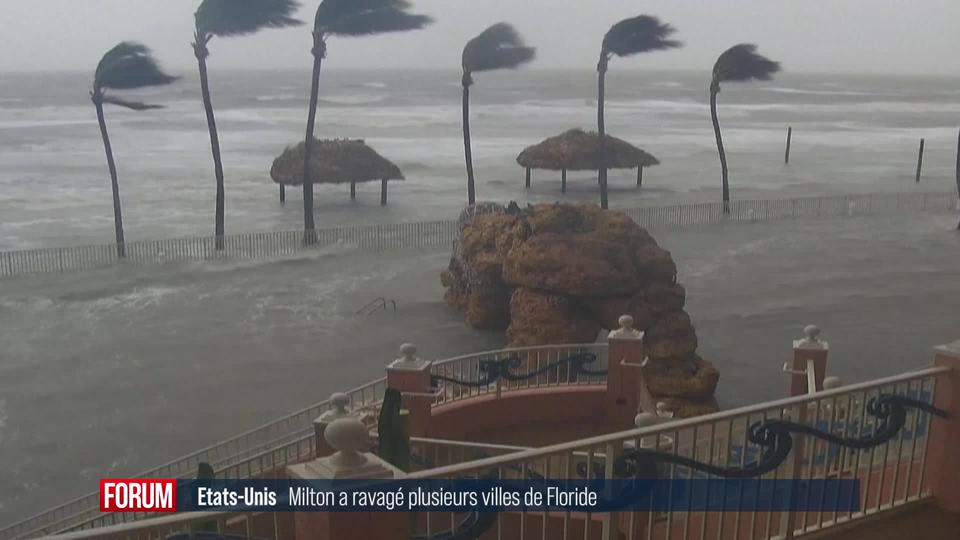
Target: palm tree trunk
{"x": 467, "y": 151}
{"x": 214, "y": 147}
{"x": 309, "y": 228}
{"x": 117, "y": 214}
{"x": 601, "y": 89}
{"x": 723, "y": 155}
{"x": 958, "y": 178}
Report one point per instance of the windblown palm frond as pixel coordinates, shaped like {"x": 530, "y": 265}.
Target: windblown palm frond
{"x": 497, "y": 47}
{"x": 639, "y": 34}
{"x": 239, "y": 17}
{"x": 367, "y": 17}
{"x": 743, "y": 63}
{"x": 133, "y": 105}
{"x": 127, "y": 66}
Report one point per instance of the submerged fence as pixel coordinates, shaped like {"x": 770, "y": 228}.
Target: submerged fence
{"x": 443, "y": 233}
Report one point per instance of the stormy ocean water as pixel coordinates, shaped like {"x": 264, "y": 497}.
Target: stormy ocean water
{"x": 851, "y": 133}
{"x": 114, "y": 371}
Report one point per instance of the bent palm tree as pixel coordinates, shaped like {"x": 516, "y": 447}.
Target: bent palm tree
{"x": 642, "y": 33}
{"x": 497, "y": 47}
{"x": 127, "y": 66}
{"x": 227, "y": 18}
{"x": 346, "y": 18}
{"x": 739, "y": 63}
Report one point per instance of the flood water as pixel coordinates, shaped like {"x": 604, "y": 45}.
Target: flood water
{"x": 116, "y": 371}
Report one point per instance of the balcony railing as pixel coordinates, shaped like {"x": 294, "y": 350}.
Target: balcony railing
{"x": 891, "y": 473}
{"x": 473, "y": 375}
{"x": 888, "y": 458}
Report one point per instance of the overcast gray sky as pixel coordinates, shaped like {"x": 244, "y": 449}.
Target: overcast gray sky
{"x": 872, "y": 36}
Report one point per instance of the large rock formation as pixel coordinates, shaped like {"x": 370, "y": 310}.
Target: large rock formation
{"x": 550, "y": 274}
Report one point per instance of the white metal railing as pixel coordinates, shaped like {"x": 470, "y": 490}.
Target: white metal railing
{"x": 271, "y": 445}
{"x": 529, "y": 360}
{"x": 891, "y": 474}
{"x": 443, "y": 233}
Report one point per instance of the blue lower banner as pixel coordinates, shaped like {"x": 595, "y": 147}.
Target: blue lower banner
{"x": 491, "y": 495}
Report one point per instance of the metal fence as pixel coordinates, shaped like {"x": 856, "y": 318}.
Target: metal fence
{"x": 891, "y": 473}
{"x": 442, "y": 233}
{"x": 535, "y": 367}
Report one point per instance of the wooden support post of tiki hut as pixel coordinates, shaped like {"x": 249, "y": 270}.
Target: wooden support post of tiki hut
{"x": 563, "y": 180}
{"x": 639, "y": 176}
{"x": 383, "y": 192}
{"x": 528, "y": 178}
{"x": 283, "y": 194}
{"x": 353, "y": 190}
{"x": 786, "y": 155}
{"x": 920, "y": 161}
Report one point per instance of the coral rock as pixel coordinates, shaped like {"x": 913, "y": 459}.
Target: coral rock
{"x": 537, "y": 318}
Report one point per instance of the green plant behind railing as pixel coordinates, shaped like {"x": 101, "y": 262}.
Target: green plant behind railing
{"x": 393, "y": 432}
{"x": 205, "y": 473}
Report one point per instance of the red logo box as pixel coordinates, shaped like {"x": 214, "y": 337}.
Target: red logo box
{"x": 138, "y": 495}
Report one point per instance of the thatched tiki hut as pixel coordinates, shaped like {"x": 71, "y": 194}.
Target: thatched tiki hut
{"x": 578, "y": 150}
{"x": 335, "y": 161}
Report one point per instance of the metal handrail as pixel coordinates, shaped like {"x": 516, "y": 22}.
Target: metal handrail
{"x": 673, "y": 425}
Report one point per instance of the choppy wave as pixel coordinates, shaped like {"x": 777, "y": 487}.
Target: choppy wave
{"x": 807, "y": 91}
{"x": 278, "y": 97}
{"x": 352, "y": 100}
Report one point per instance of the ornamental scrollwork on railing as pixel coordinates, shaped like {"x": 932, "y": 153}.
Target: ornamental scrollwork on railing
{"x": 775, "y": 438}
{"x": 492, "y": 370}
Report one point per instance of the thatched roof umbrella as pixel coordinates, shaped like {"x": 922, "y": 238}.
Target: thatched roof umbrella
{"x": 335, "y": 161}
{"x": 578, "y": 150}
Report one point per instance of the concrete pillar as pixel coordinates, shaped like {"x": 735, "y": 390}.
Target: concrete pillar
{"x": 353, "y": 190}
{"x": 351, "y": 440}
{"x": 383, "y": 192}
{"x": 339, "y": 402}
{"x": 563, "y": 181}
{"x": 410, "y": 375}
{"x": 943, "y": 445}
{"x": 809, "y": 351}
{"x": 528, "y": 178}
{"x": 624, "y": 375}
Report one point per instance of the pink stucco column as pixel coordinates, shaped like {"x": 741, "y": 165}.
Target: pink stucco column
{"x": 625, "y": 358}
{"x": 410, "y": 375}
{"x": 351, "y": 460}
{"x": 810, "y": 350}
{"x": 943, "y": 446}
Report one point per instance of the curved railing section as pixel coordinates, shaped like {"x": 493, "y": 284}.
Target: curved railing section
{"x": 491, "y": 373}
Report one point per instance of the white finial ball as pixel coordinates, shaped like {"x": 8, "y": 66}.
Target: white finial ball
{"x": 408, "y": 350}
{"x": 812, "y": 331}
{"x": 645, "y": 419}
{"x": 625, "y": 322}
{"x": 340, "y": 400}
{"x": 347, "y": 435}
{"x": 832, "y": 382}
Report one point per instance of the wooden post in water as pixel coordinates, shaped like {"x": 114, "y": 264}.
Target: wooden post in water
{"x": 786, "y": 156}
{"x": 383, "y": 192}
{"x": 958, "y": 175}
{"x": 563, "y": 179}
{"x": 353, "y": 190}
{"x": 528, "y": 178}
{"x": 920, "y": 161}
{"x": 640, "y": 176}
{"x": 283, "y": 195}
